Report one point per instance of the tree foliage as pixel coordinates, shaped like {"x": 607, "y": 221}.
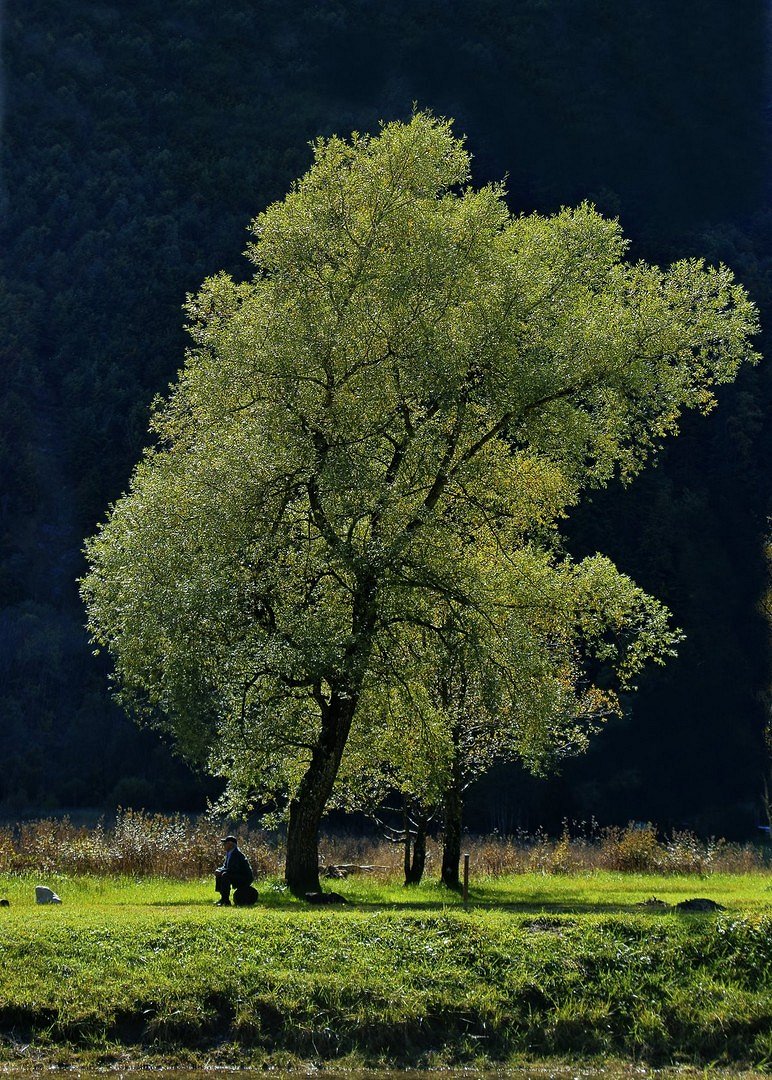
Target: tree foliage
{"x": 380, "y": 429}
{"x": 531, "y": 680}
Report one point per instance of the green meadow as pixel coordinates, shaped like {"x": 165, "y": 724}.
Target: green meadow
{"x": 538, "y": 966}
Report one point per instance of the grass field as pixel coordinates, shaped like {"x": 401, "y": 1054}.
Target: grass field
{"x": 602, "y": 892}
{"x": 540, "y": 965}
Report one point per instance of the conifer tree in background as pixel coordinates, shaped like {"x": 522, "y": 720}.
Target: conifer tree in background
{"x": 381, "y": 429}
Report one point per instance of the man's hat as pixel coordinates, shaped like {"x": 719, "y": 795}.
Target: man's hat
{"x": 225, "y": 839}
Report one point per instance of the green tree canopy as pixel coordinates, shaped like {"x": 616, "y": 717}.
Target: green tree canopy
{"x": 403, "y": 400}
{"x": 529, "y": 678}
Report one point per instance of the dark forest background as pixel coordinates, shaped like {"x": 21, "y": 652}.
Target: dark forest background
{"x": 140, "y": 138}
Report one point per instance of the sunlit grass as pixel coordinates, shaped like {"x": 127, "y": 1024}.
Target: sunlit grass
{"x": 597, "y": 891}
{"x": 539, "y": 965}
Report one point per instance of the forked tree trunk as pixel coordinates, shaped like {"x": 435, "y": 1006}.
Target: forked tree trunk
{"x": 301, "y": 870}
{"x": 415, "y": 871}
{"x": 451, "y": 833}
{"x": 415, "y": 843}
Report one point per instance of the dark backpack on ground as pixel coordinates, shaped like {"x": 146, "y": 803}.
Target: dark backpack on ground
{"x": 245, "y": 896}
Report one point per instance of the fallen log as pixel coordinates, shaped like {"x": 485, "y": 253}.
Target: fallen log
{"x": 342, "y": 870}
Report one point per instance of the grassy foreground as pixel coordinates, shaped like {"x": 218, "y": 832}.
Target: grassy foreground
{"x": 538, "y": 966}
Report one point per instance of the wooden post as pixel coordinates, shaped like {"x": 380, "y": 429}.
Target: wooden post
{"x": 466, "y": 879}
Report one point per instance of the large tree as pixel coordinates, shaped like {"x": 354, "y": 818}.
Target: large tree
{"x": 410, "y": 390}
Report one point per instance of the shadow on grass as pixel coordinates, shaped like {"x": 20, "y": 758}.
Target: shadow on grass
{"x": 534, "y": 906}
{"x": 537, "y": 904}
{"x": 174, "y": 903}
{"x": 543, "y": 900}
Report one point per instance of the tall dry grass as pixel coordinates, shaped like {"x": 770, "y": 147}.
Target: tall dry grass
{"x": 580, "y": 849}
{"x": 175, "y": 846}
{"x": 138, "y": 843}
{"x": 636, "y": 848}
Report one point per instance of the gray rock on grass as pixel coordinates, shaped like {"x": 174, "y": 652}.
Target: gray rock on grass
{"x": 44, "y": 895}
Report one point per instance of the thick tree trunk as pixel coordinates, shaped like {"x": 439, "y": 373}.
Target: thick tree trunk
{"x": 451, "y": 838}
{"x": 301, "y": 870}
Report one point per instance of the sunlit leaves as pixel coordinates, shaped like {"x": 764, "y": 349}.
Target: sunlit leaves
{"x": 374, "y": 440}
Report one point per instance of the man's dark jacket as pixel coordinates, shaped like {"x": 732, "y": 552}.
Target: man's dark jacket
{"x": 238, "y": 870}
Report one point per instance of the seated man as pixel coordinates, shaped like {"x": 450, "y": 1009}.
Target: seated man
{"x": 235, "y": 873}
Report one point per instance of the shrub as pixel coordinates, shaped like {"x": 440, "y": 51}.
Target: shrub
{"x": 635, "y": 848}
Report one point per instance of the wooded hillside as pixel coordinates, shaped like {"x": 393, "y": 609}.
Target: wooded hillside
{"x": 139, "y": 140}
